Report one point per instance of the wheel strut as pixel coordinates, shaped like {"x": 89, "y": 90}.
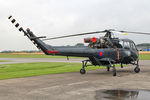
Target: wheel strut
{"x": 114, "y": 70}
{"x": 121, "y": 65}
{"x": 137, "y": 69}
{"x": 108, "y": 67}
{"x": 84, "y": 63}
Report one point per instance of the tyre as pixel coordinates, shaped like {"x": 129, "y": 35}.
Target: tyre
{"x": 114, "y": 73}
{"x": 82, "y": 71}
{"x": 137, "y": 69}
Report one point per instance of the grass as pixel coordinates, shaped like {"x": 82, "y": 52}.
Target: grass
{"x": 41, "y": 68}
{"x": 144, "y": 57}
{"x": 3, "y": 60}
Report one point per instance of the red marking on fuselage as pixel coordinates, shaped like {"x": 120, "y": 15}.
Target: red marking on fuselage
{"x": 118, "y": 54}
{"x": 48, "y": 51}
{"x": 101, "y": 53}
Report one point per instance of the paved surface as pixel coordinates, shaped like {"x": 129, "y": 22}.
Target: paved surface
{"x": 28, "y": 60}
{"x": 73, "y": 86}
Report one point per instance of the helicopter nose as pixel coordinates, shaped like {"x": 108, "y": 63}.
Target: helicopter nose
{"x": 127, "y": 53}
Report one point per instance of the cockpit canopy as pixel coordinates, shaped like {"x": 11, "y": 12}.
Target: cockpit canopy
{"x": 126, "y": 44}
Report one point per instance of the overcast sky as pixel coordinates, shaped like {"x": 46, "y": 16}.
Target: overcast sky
{"x": 63, "y": 17}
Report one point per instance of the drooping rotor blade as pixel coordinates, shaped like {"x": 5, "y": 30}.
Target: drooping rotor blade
{"x": 134, "y": 32}
{"x": 17, "y": 25}
{"x": 76, "y": 35}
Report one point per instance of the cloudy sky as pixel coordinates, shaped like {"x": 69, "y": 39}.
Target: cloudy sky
{"x": 63, "y": 17}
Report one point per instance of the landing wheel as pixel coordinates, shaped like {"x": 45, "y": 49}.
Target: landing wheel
{"x": 137, "y": 69}
{"x": 121, "y": 65}
{"x": 114, "y": 73}
{"x": 82, "y": 71}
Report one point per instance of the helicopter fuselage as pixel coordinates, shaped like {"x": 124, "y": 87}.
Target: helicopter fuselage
{"x": 124, "y": 52}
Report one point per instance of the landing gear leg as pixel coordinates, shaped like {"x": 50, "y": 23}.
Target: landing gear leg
{"x": 108, "y": 67}
{"x": 137, "y": 69}
{"x": 114, "y": 70}
{"x": 83, "y": 71}
{"x": 121, "y": 65}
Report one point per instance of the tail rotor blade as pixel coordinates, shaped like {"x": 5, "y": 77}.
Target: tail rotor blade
{"x": 17, "y": 25}
{"x": 26, "y": 33}
{"x": 13, "y": 21}
{"x": 10, "y": 17}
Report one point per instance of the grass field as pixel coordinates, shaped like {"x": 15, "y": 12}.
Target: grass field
{"x": 43, "y": 68}
{"x": 144, "y": 57}
{"x": 3, "y": 61}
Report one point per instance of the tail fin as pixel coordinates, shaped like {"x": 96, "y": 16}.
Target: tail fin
{"x": 36, "y": 40}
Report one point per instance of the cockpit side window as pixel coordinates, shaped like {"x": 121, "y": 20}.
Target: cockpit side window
{"x": 120, "y": 45}
{"x": 126, "y": 45}
{"x": 133, "y": 46}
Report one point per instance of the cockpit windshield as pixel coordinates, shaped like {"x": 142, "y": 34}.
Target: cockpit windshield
{"x": 127, "y": 44}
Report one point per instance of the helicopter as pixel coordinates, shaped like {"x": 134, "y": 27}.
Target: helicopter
{"x": 104, "y": 51}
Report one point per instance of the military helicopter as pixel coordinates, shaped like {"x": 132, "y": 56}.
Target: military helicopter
{"x": 104, "y": 51}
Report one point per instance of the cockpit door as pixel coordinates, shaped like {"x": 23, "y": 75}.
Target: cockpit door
{"x": 134, "y": 50}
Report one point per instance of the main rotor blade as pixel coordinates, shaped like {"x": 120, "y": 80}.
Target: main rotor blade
{"x": 134, "y": 32}
{"x": 75, "y": 35}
